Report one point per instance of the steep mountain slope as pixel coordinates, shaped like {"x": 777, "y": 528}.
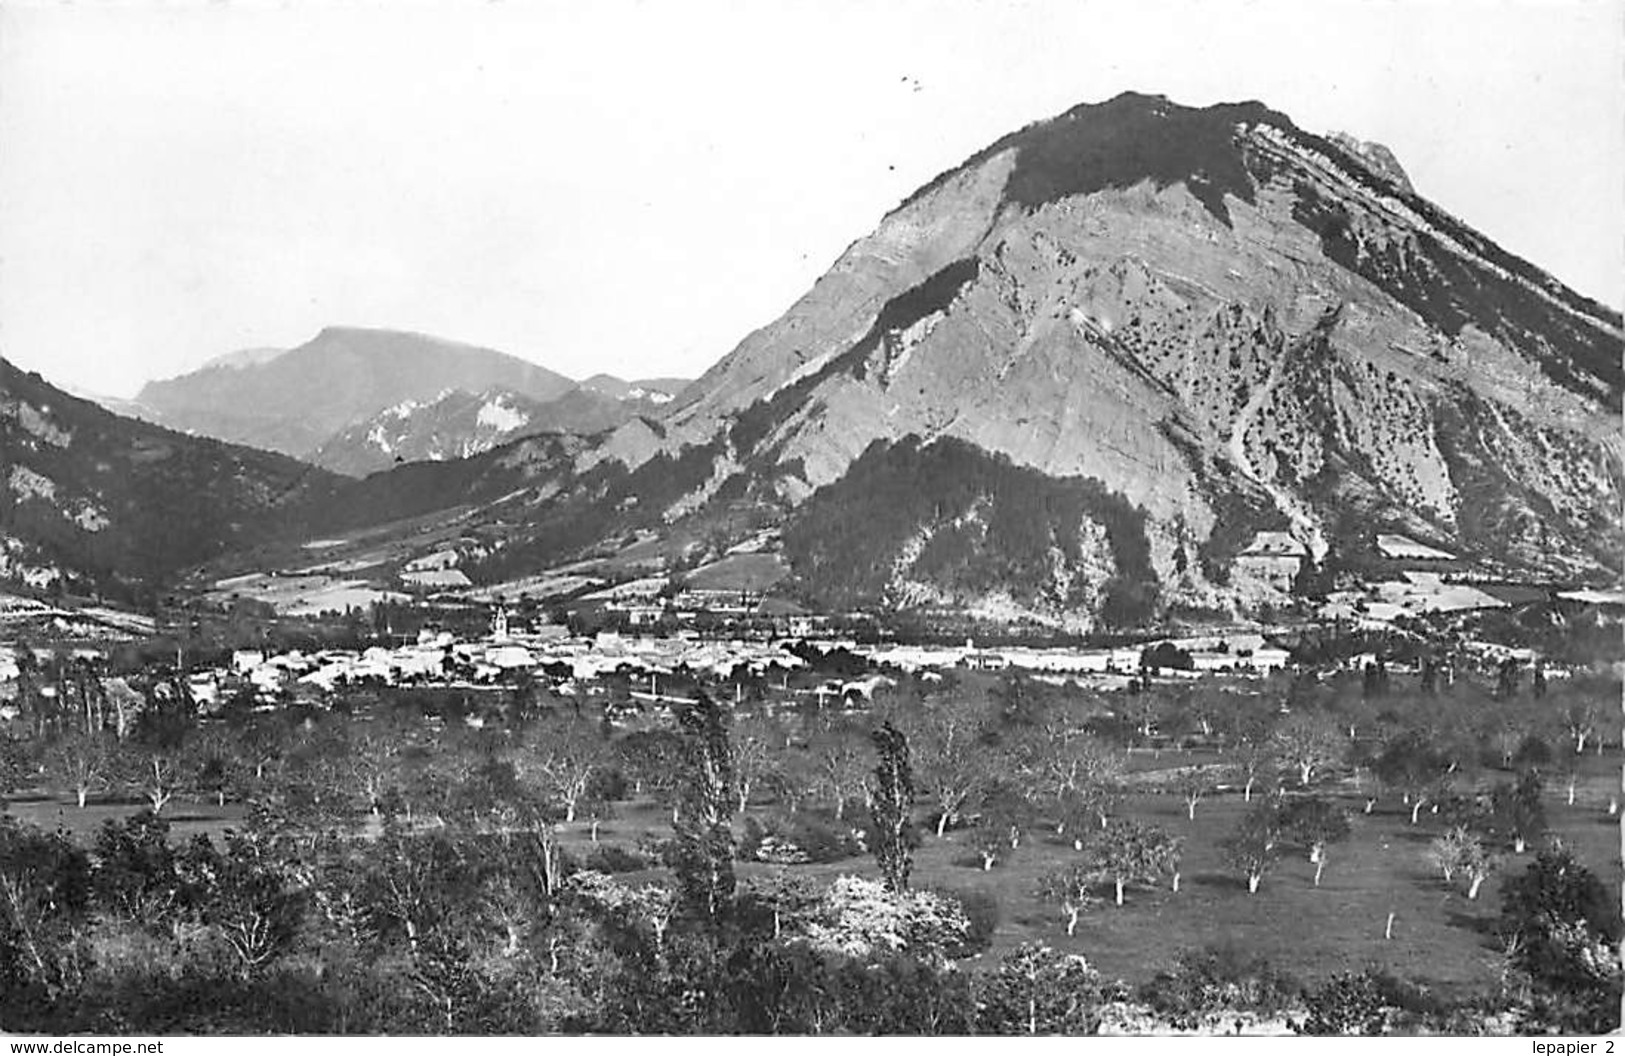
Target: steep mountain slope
{"x": 295, "y": 401}
{"x": 457, "y": 424}
{"x": 93, "y": 500}
{"x": 1227, "y": 322}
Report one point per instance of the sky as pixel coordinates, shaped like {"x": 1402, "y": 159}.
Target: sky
{"x": 633, "y": 187}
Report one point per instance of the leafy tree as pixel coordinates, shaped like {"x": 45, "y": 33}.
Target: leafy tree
{"x": 1567, "y": 771}
{"x": 1251, "y": 848}
{"x": 652, "y": 906}
{"x": 650, "y": 759}
{"x": 893, "y": 805}
{"x": 1346, "y": 1004}
{"x": 1007, "y": 811}
{"x": 1037, "y": 990}
{"x": 135, "y": 872}
{"x": 702, "y": 851}
{"x": 1477, "y": 862}
{"x": 248, "y": 897}
{"x": 1516, "y": 813}
{"x": 1251, "y": 759}
{"x": 1314, "y": 824}
{"x": 1409, "y": 762}
{"x": 1580, "y": 720}
{"x": 45, "y": 889}
{"x": 1533, "y": 751}
{"x": 1460, "y": 850}
{"x": 1209, "y": 985}
{"x": 783, "y": 897}
{"x": 1449, "y": 852}
{"x": 1307, "y": 743}
{"x": 1127, "y": 852}
{"x": 211, "y": 764}
{"x": 859, "y": 918}
{"x": 1566, "y": 928}
{"x": 170, "y": 716}
{"x": 1071, "y": 888}
{"x": 1193, "y": 785}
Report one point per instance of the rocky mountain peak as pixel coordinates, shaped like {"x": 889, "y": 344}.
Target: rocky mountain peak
{"x": 1375, "y": 157}
{"x": 1220, "y": 320}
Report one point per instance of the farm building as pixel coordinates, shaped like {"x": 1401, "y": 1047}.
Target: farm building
{"x": 1274, "y": 558}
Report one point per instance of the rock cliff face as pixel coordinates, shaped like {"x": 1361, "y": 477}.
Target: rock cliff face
{"x": 1376, "y": 157}
{"x": 1227, "y": 322}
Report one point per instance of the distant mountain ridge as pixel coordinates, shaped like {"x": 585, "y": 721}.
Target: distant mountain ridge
{"x": 244, "y": 357}
{"x": 357, "y": 401}
{"x": 459, "y": 424}
{"x": 293, "y": 402}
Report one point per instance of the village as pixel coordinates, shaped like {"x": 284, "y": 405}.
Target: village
{"x": 1081, "y": 795}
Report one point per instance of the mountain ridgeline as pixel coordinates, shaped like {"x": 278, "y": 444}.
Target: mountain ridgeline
{"x": 95, "y": 501}
{"x": 295, "y": 401}
{"x": 1229, "y": 323}
{"x": 1070, "y": 379}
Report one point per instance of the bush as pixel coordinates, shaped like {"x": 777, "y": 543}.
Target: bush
{"x": 609, "y": 785}
{"x": 796, "y": 840}
{"x": 609, "y": 858}
{"x": 1345, "y": 1004}
{"x": 1534, "y": 751}
{"x": 981, "y": 909}
{"x": 1216, "y": 980}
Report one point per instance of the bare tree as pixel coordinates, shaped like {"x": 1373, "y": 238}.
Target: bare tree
{"x": 752, "y": 763}
{"x": 949, "y": 757}
{"x": 570, "y": 754}
{"x": 82, "y": 763}
{"x": 157, "y": 776}
{"x": 842, "y": 766}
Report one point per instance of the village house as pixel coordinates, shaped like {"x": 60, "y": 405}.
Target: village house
{"x": 1274, "y": 558}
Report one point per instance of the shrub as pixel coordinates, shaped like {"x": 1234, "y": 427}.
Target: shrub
{"x": 1534, "y": 751}
{"x": 982, "y": 914}
{"x": 1211, "y": 982}
{"x": 1346, "y": 1003}
{"x": 609, "y": 785}
{"x": 609, "y": 858}
{"x": 796, "y": 841}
